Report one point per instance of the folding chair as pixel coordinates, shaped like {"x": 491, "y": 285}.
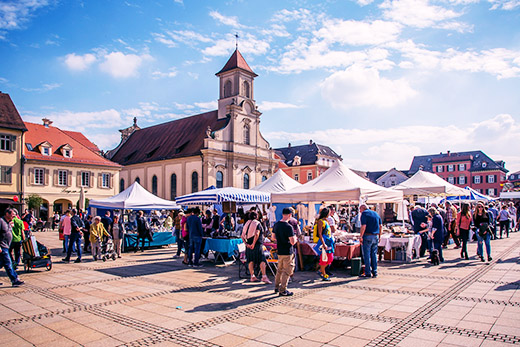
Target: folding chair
{"x": 242, "y": 262}
{"x": 271, "y": 257}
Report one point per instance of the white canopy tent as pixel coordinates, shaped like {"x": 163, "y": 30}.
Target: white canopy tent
{"x": 339, "y": 184}
{"x": 279, "y": 182}
{"x": 135, "y": 197}
{"x": 429, "y": 184}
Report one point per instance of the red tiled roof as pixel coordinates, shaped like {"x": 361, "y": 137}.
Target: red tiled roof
{"x": 81, "y": 154}
{"x": 9, "y": 116}
{"x": 82, "y": 139}
{"x": 176, "y": 139}
{"x": 236, "y": 61}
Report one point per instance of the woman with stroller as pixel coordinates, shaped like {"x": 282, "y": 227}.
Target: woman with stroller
{"x": 97, "y": 231}
{"x": 117, "y": 230}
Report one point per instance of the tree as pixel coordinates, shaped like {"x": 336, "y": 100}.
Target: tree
{"x": 34, "y": 201}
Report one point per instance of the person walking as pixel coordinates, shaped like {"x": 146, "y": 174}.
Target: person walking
{"x": 463, "y": 221}
{"x": 194, "y": 226}
{"x": 117, "y": 230}
{"x": 6, "y": 236}
{"x": 86, "y": 233}
{"x": 450, "y": 224}
{"x": 97, "y": 231}
{"x": 253, "y": 237}
{"x": 371, "y": 226}
{"x": 419, "y": 216}
{"x": 77, "y": 226}
{"x": 143, "y": 229}
{"x": 481, "y": 220}
{"x": 283, "y": 235}
{"x": 322, "y": 235}
{"x": 503, "y": 220}
{"x": 177, "y": 233}
{"x": 16, "y": 243}
{"x": 66, "y": 227}
{"x": 438, "y": 231}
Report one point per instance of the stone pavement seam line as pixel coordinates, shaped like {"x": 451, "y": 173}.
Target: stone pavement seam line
{"x": 471, "y": 333}
{"x": 399, "y": 332}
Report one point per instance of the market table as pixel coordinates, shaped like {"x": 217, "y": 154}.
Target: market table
{"x": 387, "y": 241}
{"x": 341, "y": 250}
{"x": 219, "y": 246}
{"x": 162, "y": 238}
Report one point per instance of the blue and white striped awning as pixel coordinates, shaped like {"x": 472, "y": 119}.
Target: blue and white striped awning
{"x": 220, "y": 195}
{"x": 474, "y": 196}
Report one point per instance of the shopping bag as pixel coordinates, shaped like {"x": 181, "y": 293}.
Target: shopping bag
{"x": 324, "y": 257}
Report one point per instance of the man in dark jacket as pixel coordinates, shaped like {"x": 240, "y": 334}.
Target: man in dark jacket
{"x": 106, "y": 220}
{"x": 143, "y": 230}
{"x": 76, "y": 231}
{"x": 194, "y": 226}
{"x": 420, "y": 222}
{"x": 6, "y": 236}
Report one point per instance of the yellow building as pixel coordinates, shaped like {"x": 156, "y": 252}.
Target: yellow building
{"x": 60, "y": 164}
{"x": 12, "y": 130}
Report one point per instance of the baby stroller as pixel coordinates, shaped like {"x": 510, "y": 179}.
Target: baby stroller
{"x": 35, "y": 255}
{"x": 107, "y": 250}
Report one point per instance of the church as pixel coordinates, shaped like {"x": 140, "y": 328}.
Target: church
{"x": 221, "y": 148}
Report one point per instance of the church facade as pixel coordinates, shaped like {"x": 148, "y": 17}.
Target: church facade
{"x": 223, "y": 148}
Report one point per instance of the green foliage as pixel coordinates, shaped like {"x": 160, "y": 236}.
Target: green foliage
{"x": 34, "y": 201}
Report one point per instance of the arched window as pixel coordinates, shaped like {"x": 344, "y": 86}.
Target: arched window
{"x": 264, "y": 178}
{"x": 121, "y": 185}
{"x": 247, "y": 135}
{"x": 220, "y": 179}
{"x": 194, "y": 182}
{"x": 246, "y": 89}
{"x": 246, "y": 181}
{"x": 154, "y": 185}
{"x": 138, "y": 180}
{"x": 173, "y": 186}
{"x": 227, "y": 89}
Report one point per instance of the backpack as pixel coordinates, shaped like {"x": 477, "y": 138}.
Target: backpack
{"x": 315, "y": 235}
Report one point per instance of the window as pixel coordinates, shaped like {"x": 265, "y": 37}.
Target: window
{"x": 121, "y": 185}
{"x": 451, "y": 168}
{"x": 194, "y": 182}
{"x": 67, "y": 153}
{"x": 39, "y": 176}
{"x": 138, "y": 180}
{"x": 297, "y": 177}
{"x": 491, "y": 191}
{"x": 105, "y": 180}
{"x": 451, "y": 180}
{"x": 440, "y": 168}
{"x": 462, "y": 167}
{"x": 246, "y": 181}
{"x": 62, "y": 177}
{"x": 264, "y": 178}
{"x": 46, "y": 151}
{"x": 154, "y": 185}
{"x": 246, "y": 89}
{"x": 85, "y": 179}
{"x": 309, "y": 176}
{"x": 462, "y": 179}
{"x": 227, "y": 89}
{"x": 7, "y": 143}
{"x": 491, "y": 179}
{"x": 246, "y": 134}
{"x": 476, "y": 179}
{"x": 173, "y": 186}
{"x": 5, "y": 174}
{"x": 484, "y": 164}
{"x": 220, "y": 179}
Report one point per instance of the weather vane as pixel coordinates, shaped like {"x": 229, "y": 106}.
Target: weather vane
{"x": 236, "y": 40}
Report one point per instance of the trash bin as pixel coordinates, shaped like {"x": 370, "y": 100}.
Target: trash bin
{"x": 355, "y": 266}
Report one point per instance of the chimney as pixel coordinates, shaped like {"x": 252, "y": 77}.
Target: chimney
{"x": 310, "y": 142}
{"x": 448, "y": 153}
{"x": 46, "y": 122}
{"x": 289, "y": 145}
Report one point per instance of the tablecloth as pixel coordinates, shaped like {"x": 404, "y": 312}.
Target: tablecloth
{"x": 408, "y": 243}
{"x": 341, "y": 250}
{"x": 222, "y": 245}
{"x": 159, "y": 239}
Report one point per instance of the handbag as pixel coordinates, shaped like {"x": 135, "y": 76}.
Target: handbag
{"x": 482, "y": 229}
{"x": 61, "y": 235}
{"x": 324, "y": 257}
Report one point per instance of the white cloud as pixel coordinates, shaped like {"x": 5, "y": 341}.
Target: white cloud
{"x": 507, "y": 5}
{"x": 231, "y": 21}
{"x": 357, "y": 86}
{"x": 364, "y": 2}
{"x": 120, "y": 65}
{"x": 79, "y": 62}
{"x": 13, "y": 14}
{"x": 207, "y": 106}
{"x": 82, "y": 120}
{"x": 354, "y": 32}
{"x": 248, "y": 45}
{"x": 44, "y": 88}
{"x": 272, "y": 105}
{"x": 421, "y": 14}
{"x": 164, "y": 40}
{"x": 169, "y": 74}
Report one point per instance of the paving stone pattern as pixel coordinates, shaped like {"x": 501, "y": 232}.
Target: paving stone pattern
{"x": 149, "y": 299}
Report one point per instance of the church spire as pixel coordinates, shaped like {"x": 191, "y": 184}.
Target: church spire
{"x": 236, "y": 61}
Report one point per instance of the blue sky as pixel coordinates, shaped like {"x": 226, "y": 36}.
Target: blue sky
{"x": 378, "y": 81}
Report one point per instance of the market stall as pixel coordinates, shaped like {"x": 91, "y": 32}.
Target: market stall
{"x": 424, "y": 183}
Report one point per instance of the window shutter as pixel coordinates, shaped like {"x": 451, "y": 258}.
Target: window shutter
{"x": 30, "y": 177}
{"x": 496, "y": 181}
{"x": 487, "y": 179}
{"x": 111, "y": 181}
{"x": 92, "y": 177}
{"x": 78, "y": 178}
{"x": 69, "y": 178}
{"x": 100, "y": 180}
{"x": 46, "y": 179}
{"x": 13, "y": 143}
{"x": 55, "y": 177}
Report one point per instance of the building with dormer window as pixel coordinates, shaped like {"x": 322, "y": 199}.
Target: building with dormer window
{"x": 59, "y": 164}
{"x": 223, "y": 148}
